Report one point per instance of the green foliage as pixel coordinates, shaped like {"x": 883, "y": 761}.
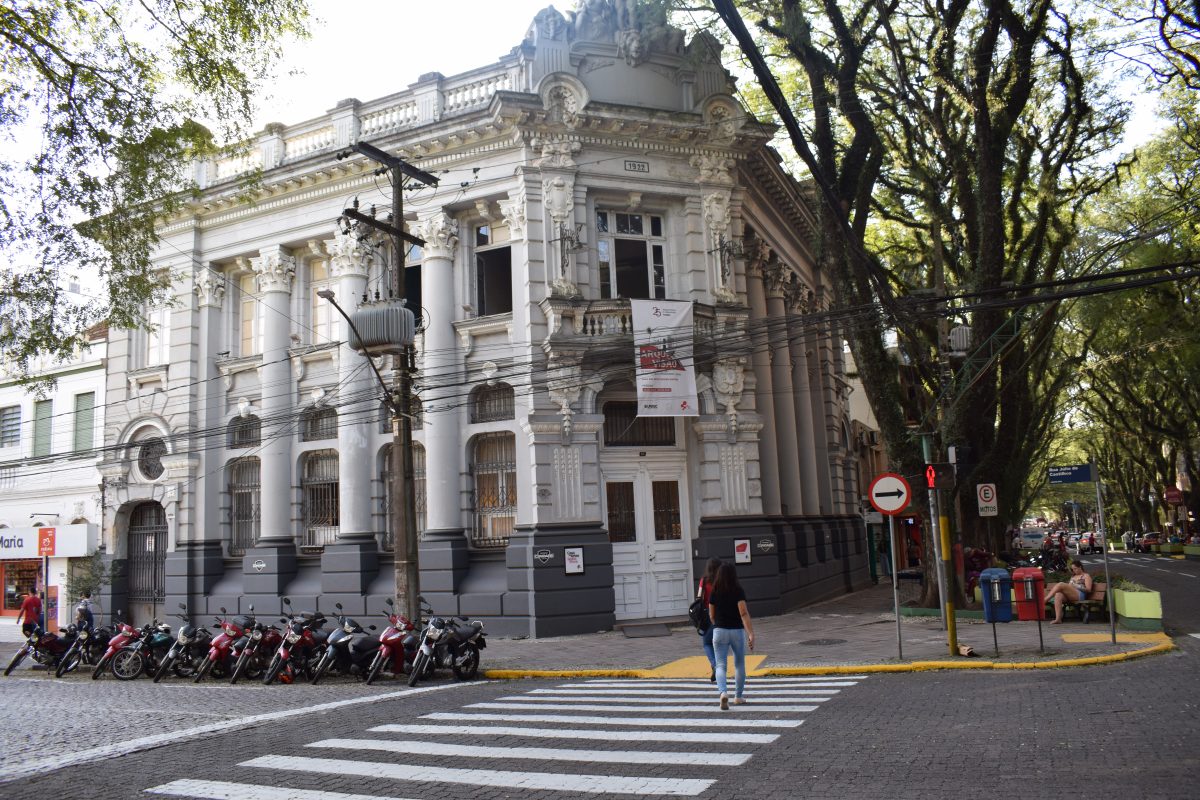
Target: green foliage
{"x": 101, "y": 105}
{"x": 88, "y": 574}
{"x": 1126, "y": 585}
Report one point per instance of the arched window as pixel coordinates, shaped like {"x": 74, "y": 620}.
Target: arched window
{"x": 244, "y": 432}
{"x": 418, "y": 487}
{"x": 319, "y": 486}
{"x": 414, "y": 410}
{"x": 244, "y": 504}
{"x": 318, "y": 424}
{"x": 494, "y": 470}
{"x": 491, "y": 403}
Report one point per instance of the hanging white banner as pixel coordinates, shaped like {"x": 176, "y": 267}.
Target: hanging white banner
{"x": 662, "y": 343}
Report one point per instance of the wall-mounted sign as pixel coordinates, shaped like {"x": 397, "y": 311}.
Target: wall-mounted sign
{"x": 637, "y": 166}
{"x": 62, "y": 540}
{"x": 260, "y": 565}
{"x": 741, "y": 551}
{"x": 573, "y": 556}
{"x": 543, "y": 556}
{"x": 766, "y": 545}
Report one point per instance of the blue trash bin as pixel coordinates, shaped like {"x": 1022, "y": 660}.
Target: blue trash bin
{"x": 995, "y": 586}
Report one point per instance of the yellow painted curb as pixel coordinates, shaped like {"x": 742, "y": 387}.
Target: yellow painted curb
{"x": 843, "y": 669}
{"x": 1129, "y": 638}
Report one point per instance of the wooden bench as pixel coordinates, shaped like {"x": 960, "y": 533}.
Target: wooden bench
{"x": 1095, "y": 601}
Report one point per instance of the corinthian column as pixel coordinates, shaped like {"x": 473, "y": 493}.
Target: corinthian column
{"x": 441, "y": 398}
{"x": 767, "y": 443}
{"x": 799, "y": 300}
{"x": 776, "y": 276}
{"x": 275, "y": 268}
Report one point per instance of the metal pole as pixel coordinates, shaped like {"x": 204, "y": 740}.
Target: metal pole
{"x": 1108, "y": 592}
{"x": 935, "y": 533}
{"x": 895, "y": 587}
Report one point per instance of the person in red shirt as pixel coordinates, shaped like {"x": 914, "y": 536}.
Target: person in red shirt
{"x": 31, "y": 612}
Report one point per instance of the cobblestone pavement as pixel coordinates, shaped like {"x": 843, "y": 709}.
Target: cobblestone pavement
{"x": 1116, "y": 730}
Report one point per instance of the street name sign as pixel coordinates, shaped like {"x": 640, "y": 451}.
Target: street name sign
{"x": 1173, "y": 496}
{"x": 889, "y": 493}
{"x": 985, "y": 493}
{"x": 1075, "y": 473}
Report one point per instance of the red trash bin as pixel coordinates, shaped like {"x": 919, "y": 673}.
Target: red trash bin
{"x": 1029, "y": 589}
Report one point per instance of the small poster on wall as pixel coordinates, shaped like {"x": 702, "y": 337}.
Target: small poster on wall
{"x": 574, "y": 559}
{"x": 741, "y": 551}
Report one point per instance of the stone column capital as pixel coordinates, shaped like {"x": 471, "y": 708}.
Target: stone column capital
{"x": 347, "y": 256}
{"x": 440, "y": 232}
{"x": 209, "y": 287}
{"x": 275, "y": 268}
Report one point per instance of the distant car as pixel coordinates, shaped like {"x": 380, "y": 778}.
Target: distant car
{"x": 1148, "y": 540}
{"x": 1089, "y": 542}
{"x": 1073, "y": 542}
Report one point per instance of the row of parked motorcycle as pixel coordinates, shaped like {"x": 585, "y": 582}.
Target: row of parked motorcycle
{"x": 245, "y": 647}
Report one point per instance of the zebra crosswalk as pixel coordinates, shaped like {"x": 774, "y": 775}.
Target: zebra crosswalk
{"x": 641, "y": 731}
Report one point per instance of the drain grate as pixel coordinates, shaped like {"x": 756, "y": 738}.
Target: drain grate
{"x": 823, "y": 642}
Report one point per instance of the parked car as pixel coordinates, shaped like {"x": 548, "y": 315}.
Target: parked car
{"x": 1148, "y": 540}
{"x": 1073, "y": 542}
{"x": 1089, "y": 542}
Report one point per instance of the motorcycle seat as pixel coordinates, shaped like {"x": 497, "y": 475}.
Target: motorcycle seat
{"x": 321, "y": 636}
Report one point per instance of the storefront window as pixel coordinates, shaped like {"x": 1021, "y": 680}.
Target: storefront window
{"x": 19, "y": 578}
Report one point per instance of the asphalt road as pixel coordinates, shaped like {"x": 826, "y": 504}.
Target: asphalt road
{"x": 1122, "y": 730}
{"x": 1177, "y": 580}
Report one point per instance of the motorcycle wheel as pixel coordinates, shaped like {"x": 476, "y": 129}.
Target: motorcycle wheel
{"x": 17, "y": 659}
{"x": 273, "y": 670}
{"x": 466, "y": 665}
{"x": 100, "y": 666}
{"x": 164, "y": 667}
{"x": 203, "y": 669}
{"x": 184, "y": 665}
{"x": 376, "y": 667}
{"x": 255, "y": 669}
{"x": 240, "y": 668}
{"x": 69, "y": 662}
{"x": 128, "y": 664}
{"x": 418, "y": 669}
{"x": 322, "y": 667}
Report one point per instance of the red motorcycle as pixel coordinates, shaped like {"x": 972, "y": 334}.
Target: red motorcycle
{"x": 397, "y": 645}
{"x": 300, "y": 646}
{"x": 252, "y": 650}
{"x": 46, "y": 648}
{"x": 126, "y": 635}
{"x": 231, "y": 630}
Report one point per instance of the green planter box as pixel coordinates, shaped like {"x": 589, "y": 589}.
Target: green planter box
{"x": 1172, "y": 549}
{"x": 1191, "y": 550}
{"x": 1139, "y": 611}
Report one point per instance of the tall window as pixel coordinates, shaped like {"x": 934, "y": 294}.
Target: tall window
{"x": 318, "y": 424}
{"x": 322, "y": 310}
{"x": 84, "y": 421}
{"x": 493, "y": 271}
{"x": 491, "y": 403}
{"x": 10, "y": 426}
{"x": 418, "y": 487}
{"x": 42, "y": 413}
{"x": 319, "y": 486}
{"x": 494, "y": 467}
{"x": 244, "y": 504}
{"x": 158, "y": 336}
{"x": 412, "y": 281}
{"x": 250, "y": 327}
{"x": 631, "y": 255}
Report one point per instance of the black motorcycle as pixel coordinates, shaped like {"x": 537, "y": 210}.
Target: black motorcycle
{"x": 452, "y": 642}
{"x": 349, "y": 647}
{"x": 87, "y": 649}
{"x": 187, "y": 651}
{"x": 144, "y": 654}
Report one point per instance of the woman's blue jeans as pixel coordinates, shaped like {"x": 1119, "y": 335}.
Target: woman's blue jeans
{"x": 706, "y": 642}
{"x": 724, "y": 640}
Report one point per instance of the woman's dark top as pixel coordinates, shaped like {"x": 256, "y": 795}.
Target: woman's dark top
{"x": 725, "y": 604}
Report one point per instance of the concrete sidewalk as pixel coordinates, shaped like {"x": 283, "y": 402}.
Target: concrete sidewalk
{"x": 852, "y": 633}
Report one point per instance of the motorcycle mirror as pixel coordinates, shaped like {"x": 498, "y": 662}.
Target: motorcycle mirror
{"x": 370, "y": 627}
{"x": 283, "y": 619}
{"x": 287, "y": 601}
{"x": 338, "y": 606}
{"x": 389, "y": 601}
{"x": 223, "y": 611}
{"x": 252, "y": 608}
{"x": 183, "y": 606}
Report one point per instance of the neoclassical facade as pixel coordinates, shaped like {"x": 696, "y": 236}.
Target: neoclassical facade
{"x": 604, "y": 159}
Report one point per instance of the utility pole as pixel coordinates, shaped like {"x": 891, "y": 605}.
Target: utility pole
{"x": 402, "y": 509}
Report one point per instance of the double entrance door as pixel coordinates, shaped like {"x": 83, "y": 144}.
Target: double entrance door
{"x": 646, "y": 513}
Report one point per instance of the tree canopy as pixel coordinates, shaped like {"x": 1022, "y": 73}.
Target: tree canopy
{"x": 103, "y": 105}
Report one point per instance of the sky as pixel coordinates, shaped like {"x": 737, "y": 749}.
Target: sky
{"x": 372, "y": 48}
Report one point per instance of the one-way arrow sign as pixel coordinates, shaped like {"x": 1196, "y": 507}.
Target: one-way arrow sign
{"x": 889, "y": 493}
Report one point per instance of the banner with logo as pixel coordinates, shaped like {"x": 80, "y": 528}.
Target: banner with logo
{"x": 662, "y": 342}
{"x": 62, "y": 540}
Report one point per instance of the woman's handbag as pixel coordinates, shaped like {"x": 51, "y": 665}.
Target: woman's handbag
{"x": 698, "y": 614}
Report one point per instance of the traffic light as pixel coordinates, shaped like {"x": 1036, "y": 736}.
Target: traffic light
{"x": 939, "y": 476}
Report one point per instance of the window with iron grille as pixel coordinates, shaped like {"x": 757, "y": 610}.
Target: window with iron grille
{"x": 245, "y": 432}
{"x": 10, "y": 426}
{"x": 631, "y": 255}
{"x": 414, "y": 410}
{"x": 491, "y": 403}
{"x": 624, "y": 428}
{"x": 147, "y": 550}
{"x": 494, "y": 469}
{"x": 149, "y": 458}
{"x": 245, "y": 493}
{"x": 418, "y": 488}
{"x": 318, "y": 424}
{"x": 319, "y": 486}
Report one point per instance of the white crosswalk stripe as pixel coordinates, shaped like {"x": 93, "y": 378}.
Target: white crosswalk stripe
{"x": 671, "y": 723}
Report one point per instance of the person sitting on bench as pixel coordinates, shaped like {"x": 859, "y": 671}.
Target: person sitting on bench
{"x": 1074, "y": 591}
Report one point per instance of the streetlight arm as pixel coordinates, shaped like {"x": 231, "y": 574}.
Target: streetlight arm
{"x": 327, "y": 294}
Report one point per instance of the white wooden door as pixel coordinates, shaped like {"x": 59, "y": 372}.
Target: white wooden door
{"x": 645, "y": 508}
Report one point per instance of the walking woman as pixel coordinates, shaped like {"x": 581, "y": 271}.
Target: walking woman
{"x": 704, "y": 591}
{"x": 731, "y": 631}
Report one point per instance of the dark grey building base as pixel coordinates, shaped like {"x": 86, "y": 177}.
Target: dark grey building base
{"x": 191, "y": 573}
{"x": 794, "y": 561}
{"x": 542, "y": 598}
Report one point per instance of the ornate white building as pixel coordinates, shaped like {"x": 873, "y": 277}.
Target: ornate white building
{"x": 603, "y": 159}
